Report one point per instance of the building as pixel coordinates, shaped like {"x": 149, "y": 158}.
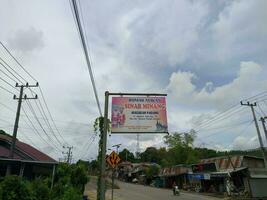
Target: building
{"x": 230, "y": 174}
{"x": 177, "y": 174}
{"x": 135, "y": 172}
{"x": 28, "y": 161}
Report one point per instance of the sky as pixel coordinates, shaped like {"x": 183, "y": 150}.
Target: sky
{"x": 206, "y": 55}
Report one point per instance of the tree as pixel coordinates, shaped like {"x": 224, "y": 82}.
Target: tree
{"x": 180, "y": 139}
{"x": 150, "y": 155}
{"x": 126, "y": 155}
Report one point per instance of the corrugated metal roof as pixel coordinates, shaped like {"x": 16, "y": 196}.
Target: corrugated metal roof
{"x": 223, "y": 163}
{"x": 175, "y": 170}
{"x": 24, "y": 148}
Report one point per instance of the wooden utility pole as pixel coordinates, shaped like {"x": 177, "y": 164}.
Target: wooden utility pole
{"x": 257, "y": 128}
{"x": 16, "y": 125}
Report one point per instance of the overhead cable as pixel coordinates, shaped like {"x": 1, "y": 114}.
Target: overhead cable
{"x": 84, "y": 45}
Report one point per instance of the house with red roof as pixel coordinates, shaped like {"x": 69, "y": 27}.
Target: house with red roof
{"x": 27, "y": 161}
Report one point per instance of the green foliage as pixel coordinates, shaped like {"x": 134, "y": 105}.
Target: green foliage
{"x": 150, "y": 155}
{"x": 79, "y": 176}
{"x": 69, "y": 177}
{"x": 93, "y": 167}
{"x": 152, "y": 171}
{"x": 13, "y": 187}
{"x": 71, "y": 193}
{"x": 40, "y": 189}
{"x": 180, "y": 139}
{"x": 125, "y": 154}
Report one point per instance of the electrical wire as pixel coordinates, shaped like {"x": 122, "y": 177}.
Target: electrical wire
{"x": 12, "y": 79}
{"x": 261, "y": 110}
{"x": 24, "y": 69}
{"x": 51, "y": 117}
{"x": 85, "y": 50}
{"x": 6, "y": 90}
{"x": 36, "y": 131}
{"x": 6, "y": 64}
{"x": 7, "y": 107}
{"x": 35, "y": 116}
{"x": 221, "y": 114}
{"x": 43, "y": 114}
{"x": 17, "y": 61}
{"x": 8, "y": 83}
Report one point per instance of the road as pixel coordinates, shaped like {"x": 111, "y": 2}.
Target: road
{"x": 130, "y": 191}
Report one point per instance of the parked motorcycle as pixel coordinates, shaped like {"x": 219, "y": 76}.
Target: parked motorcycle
{"x": 176, "y": 190}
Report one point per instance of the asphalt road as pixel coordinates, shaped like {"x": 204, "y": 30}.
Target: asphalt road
{"x": 130, "y": 191}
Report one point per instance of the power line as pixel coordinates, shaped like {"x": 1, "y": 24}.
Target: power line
{"x": 7, "y": 107}
{"x": 220, "y": 117}
{"x": 223, "y": 127}
{"x": 24, "y": 69}
{"x": 51, "y": 117}
{"x": 8, "y": 83}
{"x": 36, "y": 131}
{"x": 43, "y": 114}
{"x": 7, "y": 74}
{"x": 89, "y": 145}
{"x": 6, "y": 90}
{"x": 17, "y": 61}
{"x": 33, "y": 112}
{"x": 6, "y": 64}
{"x": 261, "y": 110}
{"x": 221, "y": 114}
{"x": 84, "y": 45}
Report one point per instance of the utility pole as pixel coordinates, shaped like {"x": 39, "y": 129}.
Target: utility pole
{"x": 16, "y": 125}
{"x": 262, "y": 119}
{"x": 68, "y": 153}
{"x": 257, "y": 128}
{"x": 103, "y": 150}
{"x": 137, "y": 146}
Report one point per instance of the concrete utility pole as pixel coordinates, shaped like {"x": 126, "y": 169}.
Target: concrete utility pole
{"x": 257, "y": 128}
{"x": 68, "y": 153}
{"x": 16, "y": 125}
{"x": 262, "y": 119}
{"x": 103, "y": 150}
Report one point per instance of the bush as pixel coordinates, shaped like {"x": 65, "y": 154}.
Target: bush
{"x": 39, "y": 190}
{"x": 14, "y": 187}
{"x": 71, "y": 193}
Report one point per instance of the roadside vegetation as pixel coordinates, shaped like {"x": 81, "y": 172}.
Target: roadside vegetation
{"x": 179, "y": 150}
{"x": 68, "y": 185}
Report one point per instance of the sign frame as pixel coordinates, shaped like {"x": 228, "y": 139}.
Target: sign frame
{"x": 143, "y": 95}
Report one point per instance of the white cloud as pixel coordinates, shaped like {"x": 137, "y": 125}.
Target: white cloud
{"x": 242, "y": 143}
{"x": 136, "y": 46}
{"x": 26, "y": 40}
{"x": 251, "y": 78}
{"x": 240, "y": 29}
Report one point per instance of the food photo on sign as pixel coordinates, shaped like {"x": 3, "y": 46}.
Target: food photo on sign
{"x": 139, "y": 114}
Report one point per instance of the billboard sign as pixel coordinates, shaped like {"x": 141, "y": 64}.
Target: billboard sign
{"x": 139, "y": 115}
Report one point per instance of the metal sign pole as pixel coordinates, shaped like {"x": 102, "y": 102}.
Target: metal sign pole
{"x": 112, "y": 189}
